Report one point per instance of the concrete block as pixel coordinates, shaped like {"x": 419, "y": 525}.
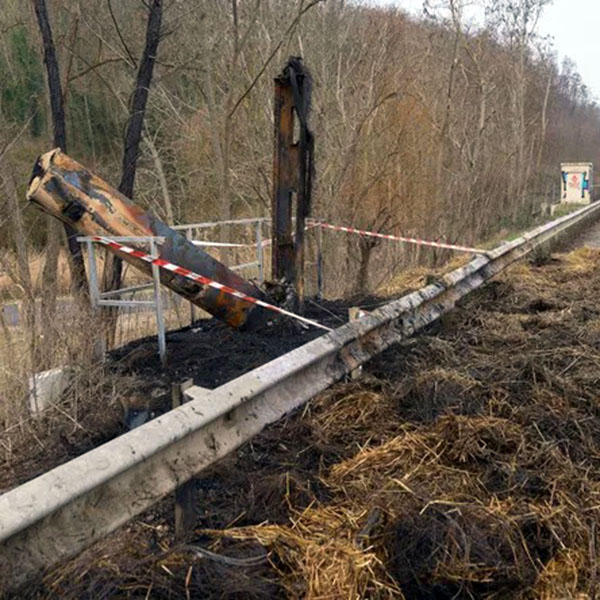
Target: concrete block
{"x": 46, "y": 387}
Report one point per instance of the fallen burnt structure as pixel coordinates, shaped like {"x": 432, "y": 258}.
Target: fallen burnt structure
{"x": 68, "y": 191}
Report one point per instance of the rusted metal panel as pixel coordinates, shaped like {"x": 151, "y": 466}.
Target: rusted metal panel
{"x": 68, "y": 191}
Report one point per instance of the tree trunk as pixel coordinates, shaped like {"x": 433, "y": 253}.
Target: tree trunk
{"x": 79, "y": 281}
{"x": 544, "y": 123}
{"x": 113, "y": 269}
{"x": 362, "y": 280}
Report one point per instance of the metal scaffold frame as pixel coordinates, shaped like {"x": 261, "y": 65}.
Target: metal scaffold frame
{"x": 112, "y": 298}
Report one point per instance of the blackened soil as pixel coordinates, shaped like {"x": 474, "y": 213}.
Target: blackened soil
{"x": 211, "y": 353}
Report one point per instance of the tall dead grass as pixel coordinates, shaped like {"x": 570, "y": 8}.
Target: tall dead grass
{"x": 92, "y": 407}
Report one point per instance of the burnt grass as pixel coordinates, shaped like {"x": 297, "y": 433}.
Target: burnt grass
{"x": 133, "y": 382}
{"x": 464, "y": 464}
{"x": 211, "y": 353}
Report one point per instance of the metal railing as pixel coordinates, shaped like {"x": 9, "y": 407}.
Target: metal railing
{"x": 190, "y": 231}
{"x": 114, "y": 298}
{"x": 99, "y": 298}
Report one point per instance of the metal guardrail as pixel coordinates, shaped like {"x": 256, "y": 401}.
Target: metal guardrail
{"x": 63, "y": 511}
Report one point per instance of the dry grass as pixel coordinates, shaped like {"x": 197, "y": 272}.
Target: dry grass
{"x": 10, "y": 290}
{"x": 89, "y": 412}
{"x": 408, "y": 280}
{"x": 488, "y": 486}
{"x": 92, "y": 408}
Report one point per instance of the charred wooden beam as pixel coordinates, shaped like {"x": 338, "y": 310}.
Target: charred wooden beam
{"x": 68, "y": 191}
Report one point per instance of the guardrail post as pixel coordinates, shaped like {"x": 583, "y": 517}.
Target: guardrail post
{"x": 185, "y": 511}
{"x": 160, "y": 323}
{"x": 355, "y": 313}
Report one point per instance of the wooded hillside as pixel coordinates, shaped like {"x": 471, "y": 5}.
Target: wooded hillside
{"x": 424, "y": 126}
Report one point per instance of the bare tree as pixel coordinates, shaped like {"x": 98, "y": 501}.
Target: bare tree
{"x": 135, "y": 125}
{"x": 517, "y": 21}
{"x": 59, "y": 140}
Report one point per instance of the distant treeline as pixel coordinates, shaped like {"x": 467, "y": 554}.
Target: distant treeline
{"x": 427, "y": 126}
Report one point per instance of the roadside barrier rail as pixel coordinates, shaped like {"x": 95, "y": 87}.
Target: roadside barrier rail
{"x": 60, "y": 513}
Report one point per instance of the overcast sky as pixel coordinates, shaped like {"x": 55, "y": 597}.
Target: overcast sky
{"x": 574, "y": 27}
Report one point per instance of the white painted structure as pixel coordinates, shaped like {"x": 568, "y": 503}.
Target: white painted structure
{"x": 46, "y": 388}
{"x": 576, "y": 182}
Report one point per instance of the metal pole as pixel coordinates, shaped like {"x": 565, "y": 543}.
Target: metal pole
{"x": 320, "y": 263}
{"x": 189, "y": 236}
{"x": 259, "y": 251}
{"x": 99, "y": 350}
{"x": 94, "y": 291}
{"x": 160, "y": 323}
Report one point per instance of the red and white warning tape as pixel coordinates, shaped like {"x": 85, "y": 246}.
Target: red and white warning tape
{"x": 265, "y": 242}
{"x": 163, "y": 264}
{"x": 398, "y": 238}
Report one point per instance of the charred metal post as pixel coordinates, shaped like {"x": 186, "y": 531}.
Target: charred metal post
{"x": 285, "y": 173}
{"x": 68, "y": 191}
{"x": 292, "y": 174}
